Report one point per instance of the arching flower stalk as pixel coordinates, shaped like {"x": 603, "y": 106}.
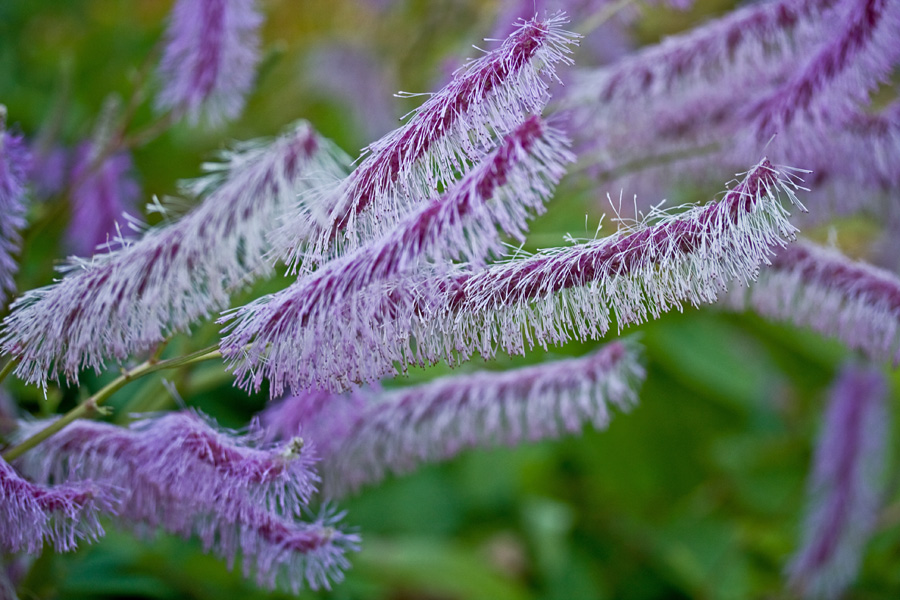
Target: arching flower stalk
{"x": 454, "y": 129}
{"x": 62, "y": 515}
{"x": 132, "y": 298}
{"x": 209, "y": 63}
{"x": 510, "y": 185}
{"x": 816, "y": 287}
{"x": 845, "y": 487}
{"x": 548, "y": 298}
{"x": 15, "y": 162}
{"x": 235, "y": 493}
{"x": 366, "y": 434}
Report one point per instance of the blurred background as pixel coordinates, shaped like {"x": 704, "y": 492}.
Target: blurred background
{"x": 697, "y": 493}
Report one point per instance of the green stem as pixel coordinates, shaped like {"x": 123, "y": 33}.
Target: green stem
{"x": 601, "y": 17}
{"x": 92, "y": 406}
{"x": 8, "y": 368}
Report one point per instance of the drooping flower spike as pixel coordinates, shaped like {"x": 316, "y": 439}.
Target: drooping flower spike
{"x": 548, "y": 298}
{"x": 846, "y": 485}
{"x": 15, "y": 162}
{"x": 131, "y": 299}
{"x": 179, "y": 455}
{"x": 816, "y": 287}
{"x": 209, "y": 63}
{"x": 235, "y": 493}
{"x": 367, "y": 434}
{"x": 487, "y": 99}
{"x": 63, "y": 515}
{"x": 510, "y": 185}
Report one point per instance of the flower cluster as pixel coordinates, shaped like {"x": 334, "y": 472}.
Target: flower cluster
{"x": 413, "y": 255}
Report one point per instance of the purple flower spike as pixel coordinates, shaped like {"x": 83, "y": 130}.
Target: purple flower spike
{"x": 739, "y": 46}
{"x": 845, "y": 488}
{"x": 103, "y": 193}
{"x": 365, "y": 435}
{"x": 178, "y": 455}
{"x": 15, "y": 161}
{"x": 509, "y": 185}
{"x": 235, "y": 493}
{"x": 62, "y": 515}
{"x": 550, "y": 297}
{"x": 817, "y": 287}
{"x": 857, "y": 56}
{"x": 134, "y": 297}
{"x": 209, "y": 64}
{"x": 488, "y": 98}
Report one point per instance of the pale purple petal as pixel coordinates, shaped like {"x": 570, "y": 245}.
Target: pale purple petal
{"x": 368, "y": 434}
{"x": 846, "y": 485}
{"x": 132, "y": 298}
{"x": 210, "y": 58}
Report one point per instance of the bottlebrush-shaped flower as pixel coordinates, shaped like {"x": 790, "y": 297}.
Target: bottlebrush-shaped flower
{"x": 550, "y": 297}
{"x": 456, "y": 127}
{"x": 130, "y": 299}
{"x": 179, "y": 455}
{"x": 845, "y": 488}
{"x": 15, "y": 161}
{"x": 62, "y": 515}
{"x": 816, "y": 287}
{"x": 103, "y": 191}
{"x": 210, "y": 58}
{"x": 509, "y": 185}
{"x": 369, "y": 433}
{"x": 235, "y": 493}
{"x": 854, "y": 60}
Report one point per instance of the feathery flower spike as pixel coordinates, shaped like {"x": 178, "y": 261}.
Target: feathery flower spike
{"x": 102, "y": 195}
{"x": 130, "y": 299}
{"x": 367, "y": 434}
{"x": 508, "y": 186}
{"x": 237, "y": 494}
{"x": 488, "y": 98}
{"x": 62, "y": 515}
{"x": 845, "y": 488}
{"x": 817, "y": 287}
{"x": 15, "y": 162}
{"x": 210, "y": 58}
{"x": 550, "y": 297}
{"x": 181, "y": 456}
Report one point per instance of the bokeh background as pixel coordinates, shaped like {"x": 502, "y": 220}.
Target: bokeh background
{"x": 697, "y": 493}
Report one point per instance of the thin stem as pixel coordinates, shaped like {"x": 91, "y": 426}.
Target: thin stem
{"x": 92, "y": 406}
{"x": 602, "y": 16}
{"x": 8, "y": 368}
